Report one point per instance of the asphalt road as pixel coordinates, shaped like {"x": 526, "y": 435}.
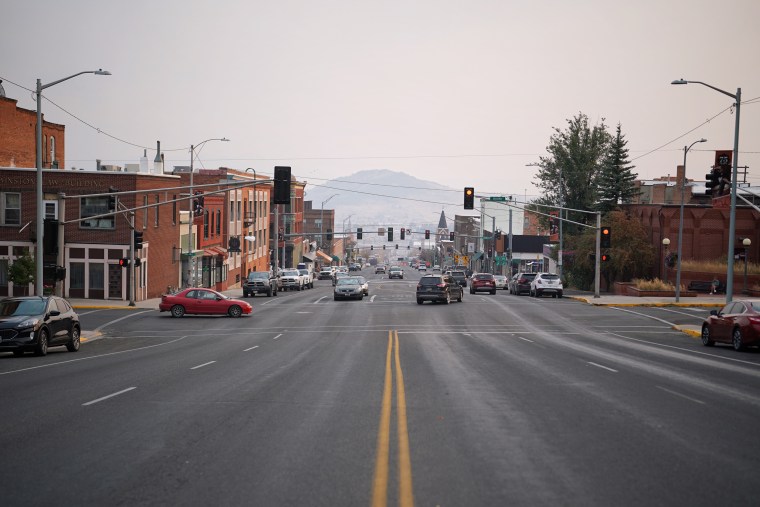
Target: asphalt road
{"x": 498, "y": 400}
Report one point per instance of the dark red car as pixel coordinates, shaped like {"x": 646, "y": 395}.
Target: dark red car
{"x": 482, "y": 282}
{"x": 201, "y": 301}
{"x": 738, "y": 323}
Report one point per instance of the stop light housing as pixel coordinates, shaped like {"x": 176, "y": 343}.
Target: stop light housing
{"x": 138, "y": 240}
{"x": 713, "y": 181}
{"x": 451, "y": 236}
{"x": 427, "y": 233}
{"x": 329, "y": 234}
{"x": 359, "y": 233}
{"x": 124, "y": 262}
{"x": 606, "y": 241}
{"x": 396, "y": 246}
{"x": 605, "y": 257}
{"x": 372, "y": 247}
{"x": 469, "y": 198}
{"x": 281, "y": 185}
{"x": 390, "y": 233}
{"x": 403, "y": 233}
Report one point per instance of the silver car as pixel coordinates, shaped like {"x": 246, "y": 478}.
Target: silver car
{"x": 348, "y": 288}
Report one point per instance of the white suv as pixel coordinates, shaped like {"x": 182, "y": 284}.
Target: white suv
{"x": 292, "y": 279}
{"x": 546, "y": 283}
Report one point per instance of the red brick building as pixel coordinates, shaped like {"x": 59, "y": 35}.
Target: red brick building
{"x": 17, "y": 138}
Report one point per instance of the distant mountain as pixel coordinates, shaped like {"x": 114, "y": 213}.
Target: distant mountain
{"x": 381, "y": 198}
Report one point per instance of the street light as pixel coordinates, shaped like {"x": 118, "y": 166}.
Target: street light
{"x": 666, "y": 244}
{"x": 746, "y": 242}
{"x": 732, "y": 215}
{"x": 40, "y": 206}
{"x": 191, "y": 258}
{"x": 321, "y": 222}
{"x": 680, "y": 220}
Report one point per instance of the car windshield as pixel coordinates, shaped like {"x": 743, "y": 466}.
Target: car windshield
{"x": 258, "y": 276}
{"x": 361, "y": 279}
{"x": 22, "y": 307}
{"x": 528, "y": 276}
{"x": 755, "y": 305}
{"x": 291, "y": 273}
{"x": 303, "y": 271}
{"x": 550, "y": 277}
{"x": 348, "y": 281}
{"x": 430, "y": 280}
{"x": 484, "y": 276}
{"x": 458, "y": 273}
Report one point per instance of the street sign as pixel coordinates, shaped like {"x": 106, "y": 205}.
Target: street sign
{"x": 498, "y": 198}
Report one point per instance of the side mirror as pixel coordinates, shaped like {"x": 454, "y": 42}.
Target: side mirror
{"x": 714, "y": 312}
{"x": 54, "y": 313}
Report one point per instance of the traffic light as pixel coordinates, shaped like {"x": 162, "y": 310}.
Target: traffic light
{"x": 427, "y": 233}
{"x": 112, "y": 199}
{"x": 124, "y": 262}
{"x": 498, "y": 235}
{"x": 383, "y": 247}
{"x": 605, "y": 241}
{"x": 198, "y": 203}
{"x": 281, "y": 185}
{"x": 605, "y": 257}
{"x": 372, "y": 247}
{"x": 469, "y": 198}
{"x": 451, "y": 236}
{"x": 592, "y": 258}
{"x": 396, "y": 246}
{"x": 138, "y": 240}
{"x": 138, "y": 262}
{"x": 359, "y": 233}
{"x": 403, "y": 233}
{"x": 329, "y": 234}
{"x": 712, "y": 182}
{"x": 390, "y": 233}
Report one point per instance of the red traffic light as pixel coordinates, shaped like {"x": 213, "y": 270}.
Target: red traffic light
{"x": 124, "y": 262}
{"x": 605, "y": 257}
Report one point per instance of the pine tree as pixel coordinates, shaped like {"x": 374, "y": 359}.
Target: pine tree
{"x": 615, "y": 181}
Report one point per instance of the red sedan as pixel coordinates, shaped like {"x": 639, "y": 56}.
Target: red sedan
{"x": 738, "y": 323}
{"x": 203, "y": 302}
{"x": 482, "y": 282}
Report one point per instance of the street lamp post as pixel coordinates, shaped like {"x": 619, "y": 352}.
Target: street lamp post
{"x": 680, "y": 221}
{"x": 732, "y": 215}
{"x": 666, "y": 244}
{"x": 191, "y": 215}
{"x": 321, "y": 223}
{"x": 746, "y": 242}
{"x": 40, "y": 206}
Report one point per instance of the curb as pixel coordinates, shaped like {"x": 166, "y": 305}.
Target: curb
{"x": 104, "y": 307}
{"x": 690, "y": 332}
{"x": 648, "y": 304}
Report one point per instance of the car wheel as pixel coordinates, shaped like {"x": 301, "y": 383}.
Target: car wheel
{"x": 335, "y": 298}
{"x": 461, "y": 295}
{"x": 493, "y": 292}
{"x": 419, "y": 301}
{"x": 74, "y": 342}
{"x": 559, "y": 295}
{"x": 554, "y": 296}
{"x": 472, "y": 291}
{"x": 706, "y": 341}
{"x": 178, "y": 311}
{"x": 42, "y": 343}
{"x": 269, "y": 292}
{"x": 235, "y": 311}
{"x": 448, "y": 298}
{"x": 736, "y": 339}
{"x": 18, "y": 352}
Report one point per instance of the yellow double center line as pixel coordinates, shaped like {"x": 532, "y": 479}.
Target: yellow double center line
{"x": 380, "y": 479}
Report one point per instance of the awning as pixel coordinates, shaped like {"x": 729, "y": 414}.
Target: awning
{"x": 324, "y": 256}
{"x": 215, "y": 250}
{"x": 308, "y": 257}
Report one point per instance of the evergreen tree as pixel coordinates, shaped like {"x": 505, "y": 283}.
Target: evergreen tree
{"x": 616, "y": 178}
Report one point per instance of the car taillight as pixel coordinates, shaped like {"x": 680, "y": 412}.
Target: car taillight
{"x": 754, "y": 321}
{"x": 441, "y": 285}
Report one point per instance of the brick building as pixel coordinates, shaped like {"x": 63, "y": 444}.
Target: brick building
{"x": 17, "y": 138}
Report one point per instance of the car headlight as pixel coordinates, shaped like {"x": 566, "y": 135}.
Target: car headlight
{"x": 28, "y": 323}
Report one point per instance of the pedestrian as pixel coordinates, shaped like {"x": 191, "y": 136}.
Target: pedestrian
{"x": 715, "y": 285}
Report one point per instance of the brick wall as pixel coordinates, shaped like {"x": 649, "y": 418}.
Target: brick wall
{"x": 18, "y": 134}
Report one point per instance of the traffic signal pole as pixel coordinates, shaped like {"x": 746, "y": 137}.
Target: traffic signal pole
{"x": 131, "y": 285}
{"x": 61, "y": 259}
{"x": 597, "y": 270}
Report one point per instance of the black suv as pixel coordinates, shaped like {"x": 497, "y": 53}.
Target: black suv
{"x": 438, "y": 288}
{"x": 36, "y": 323}
{"x": 260, "y": 282}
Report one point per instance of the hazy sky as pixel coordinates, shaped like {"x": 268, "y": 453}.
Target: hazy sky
{"x": 464, "y": 93}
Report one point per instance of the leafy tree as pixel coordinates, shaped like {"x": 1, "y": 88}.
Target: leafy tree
{"x": 569, "y": 173}
{"x": 22, "y": 271}
{"x": 615, "y": 183}
{"x": 631, "y": 255}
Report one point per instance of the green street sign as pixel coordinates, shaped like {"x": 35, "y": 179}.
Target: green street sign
{"x": 498, "y": 198}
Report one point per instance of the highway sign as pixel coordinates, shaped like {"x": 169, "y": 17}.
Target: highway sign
{"x": 498, "y": 198}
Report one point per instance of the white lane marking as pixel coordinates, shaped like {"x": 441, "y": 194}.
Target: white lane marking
{"x": 122, "y": 318}
{"x": 682, "y": 396}
{"x": 270, "y": 301}
{"x": 109, "y": 396}
{"x": 277, "y": 336}
{"x": 682, "y": 313}
{"x": 643, "y": 315}
{"x": 320, "y": 299}
{"x": 603, "y": 367}
{"x": 306, "y": 312}
{"x": 202, "y": 365}
{"x": 372, "y": 298}
{"x": 254, "y": 347}
{"x": 525, "y": 339}
{"x": 92, "y": 357}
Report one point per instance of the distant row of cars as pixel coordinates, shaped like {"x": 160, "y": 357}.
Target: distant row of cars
{"x": 536, "y": 284}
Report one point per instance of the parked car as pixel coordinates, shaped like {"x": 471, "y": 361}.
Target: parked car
{"x": 396, "y": 272}
{"x": 308, "y": 277}
{"x": 35, "y": 323}
{"x": 737, "y": 323}
{"x": 260, "y": 282}
{"x": 520, "y": 283}
{"x": 348, "y": 287}
{"x": 292, "y": 279}
{"x": 200, "y": 301}
{"x": 546, "y": 283}
{"x": 364, "y": 283}
{"x": 482, "y": 282}
{"x": 437, "y": 288}
{"x": 379, "y": 270}
{"x": 501, "y": 282}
